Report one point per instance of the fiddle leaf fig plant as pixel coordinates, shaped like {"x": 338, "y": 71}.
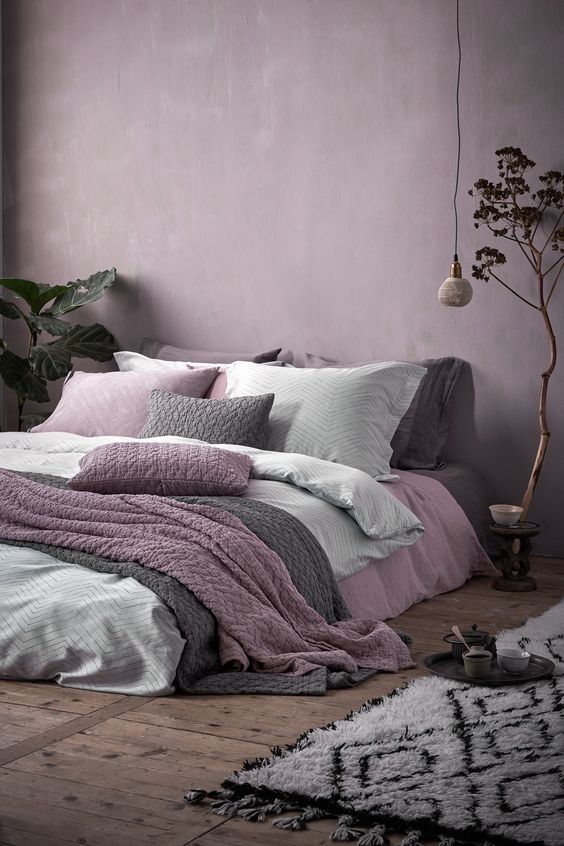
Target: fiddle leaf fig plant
{"x": 42, "y": 309}
{"x": 534, "y": 221}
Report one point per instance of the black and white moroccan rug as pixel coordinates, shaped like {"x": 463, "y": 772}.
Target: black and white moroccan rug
{"x": 465, "y": 763}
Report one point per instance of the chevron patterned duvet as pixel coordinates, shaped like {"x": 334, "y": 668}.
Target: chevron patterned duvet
{"x": 83, "y": 629}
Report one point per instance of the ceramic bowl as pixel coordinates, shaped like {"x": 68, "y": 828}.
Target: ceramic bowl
{"x": 506, "y": 515}
{"x": 513, "y": 660}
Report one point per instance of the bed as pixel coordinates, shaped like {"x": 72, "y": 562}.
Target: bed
{"x": 114, "y": 630}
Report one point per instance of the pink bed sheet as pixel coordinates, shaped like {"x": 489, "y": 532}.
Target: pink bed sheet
{"x": 445, "y": 557}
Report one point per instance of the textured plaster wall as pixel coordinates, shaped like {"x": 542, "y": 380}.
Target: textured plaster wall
{"x": 267, "y": 172}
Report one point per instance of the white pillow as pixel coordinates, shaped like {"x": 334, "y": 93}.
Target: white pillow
{"x": 127, "y": 361}
{"x": 347, "y": 415}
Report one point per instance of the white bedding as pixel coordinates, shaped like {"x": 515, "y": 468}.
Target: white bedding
{"x": 83, "y": 629}
{"x": 38, "y": 593}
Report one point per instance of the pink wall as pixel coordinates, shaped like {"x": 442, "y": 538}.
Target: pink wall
{"x": 267, "y": 172}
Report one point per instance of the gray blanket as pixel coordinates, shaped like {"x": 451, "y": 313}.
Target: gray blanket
{"x": 199, "y": 668}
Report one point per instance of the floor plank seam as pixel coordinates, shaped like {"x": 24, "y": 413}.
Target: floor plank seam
{"x": 230, "y": 737}
{"x": 205, "y": 833}
{"x": 74, "y": 726}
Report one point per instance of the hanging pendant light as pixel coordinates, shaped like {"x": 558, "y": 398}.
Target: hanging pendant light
{"x": 455, "y": 290}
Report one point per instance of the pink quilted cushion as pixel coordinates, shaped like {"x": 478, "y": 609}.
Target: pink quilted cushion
{"x": 163, "y": 469}
{"x": 117, "y": 403}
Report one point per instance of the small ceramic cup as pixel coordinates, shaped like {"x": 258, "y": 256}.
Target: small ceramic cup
{"x": 513, "y": 660}
{"x": 477, "y": 662}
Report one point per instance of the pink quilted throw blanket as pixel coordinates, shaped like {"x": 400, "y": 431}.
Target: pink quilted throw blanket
{"x": 264, "y": 622}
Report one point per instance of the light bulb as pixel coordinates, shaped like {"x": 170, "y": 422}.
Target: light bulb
{"x": 455, "y": 290}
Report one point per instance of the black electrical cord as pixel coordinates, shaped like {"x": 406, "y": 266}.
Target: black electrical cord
{"x": 458, "y": 131}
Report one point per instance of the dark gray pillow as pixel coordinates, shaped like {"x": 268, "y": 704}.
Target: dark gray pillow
{"x": 423, "y": 430}
{"x": 239, "y": 420}
{"x": 166, "y": 352}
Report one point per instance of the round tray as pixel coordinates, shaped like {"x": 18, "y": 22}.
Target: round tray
{"x": 443, "y": 664}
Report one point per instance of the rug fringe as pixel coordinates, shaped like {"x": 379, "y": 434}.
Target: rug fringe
{"x": 345, "y": 830}
{"x": 257, "y": 809}
{"x": 375, "y": 836}
{"x": 225, "y": 807}
{"x": 195, "y": 796}
{"x": 299, "y": 823}
{"x": 260, "y": 812}
{"x": 412, "y": 838}
{"x": 291, "y": 823}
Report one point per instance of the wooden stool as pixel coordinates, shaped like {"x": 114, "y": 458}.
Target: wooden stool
{"x": 515, "y": 565}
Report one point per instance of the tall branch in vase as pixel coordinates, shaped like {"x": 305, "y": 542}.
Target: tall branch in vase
{"x": 534, "y": 221}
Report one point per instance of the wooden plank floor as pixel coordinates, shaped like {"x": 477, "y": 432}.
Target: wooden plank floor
{"x": 109, "y": 770}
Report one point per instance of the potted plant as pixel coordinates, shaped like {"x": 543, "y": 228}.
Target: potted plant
{"x": 533, "y": 220}
{"x": 49, "y": 360}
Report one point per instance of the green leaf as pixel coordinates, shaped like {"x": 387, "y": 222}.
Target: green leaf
{"x": 36, "y": 295}
{"x": 28, "y": 421}
{"x": 47, "y": 323}
{"x": 23, "y": 288}
{"x": 9, "y": 309}
{"x": 47, "y": 293}
{"x": 51, "y": 361}
{"x": 77, "y": 294}
{"x": 90, "y": 342}
{"x": 18, "y": 376}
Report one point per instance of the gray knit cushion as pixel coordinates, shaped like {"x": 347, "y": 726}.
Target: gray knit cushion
{"x": 240, "y": 420}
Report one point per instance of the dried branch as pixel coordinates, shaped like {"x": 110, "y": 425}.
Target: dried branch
{"x": 552, "y": 266}
{"x": 540, "y": 211}
{"x": 499, "y": 206}
{"x": 543, "y": 422}
{"x": 553, "y": 231}
{"x": 513, "y": 291}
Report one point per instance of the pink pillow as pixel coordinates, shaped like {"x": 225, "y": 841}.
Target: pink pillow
{"x": 218, "y": 386}
{"x": 163, "y": 469}
{"x": 117, "y": 403}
